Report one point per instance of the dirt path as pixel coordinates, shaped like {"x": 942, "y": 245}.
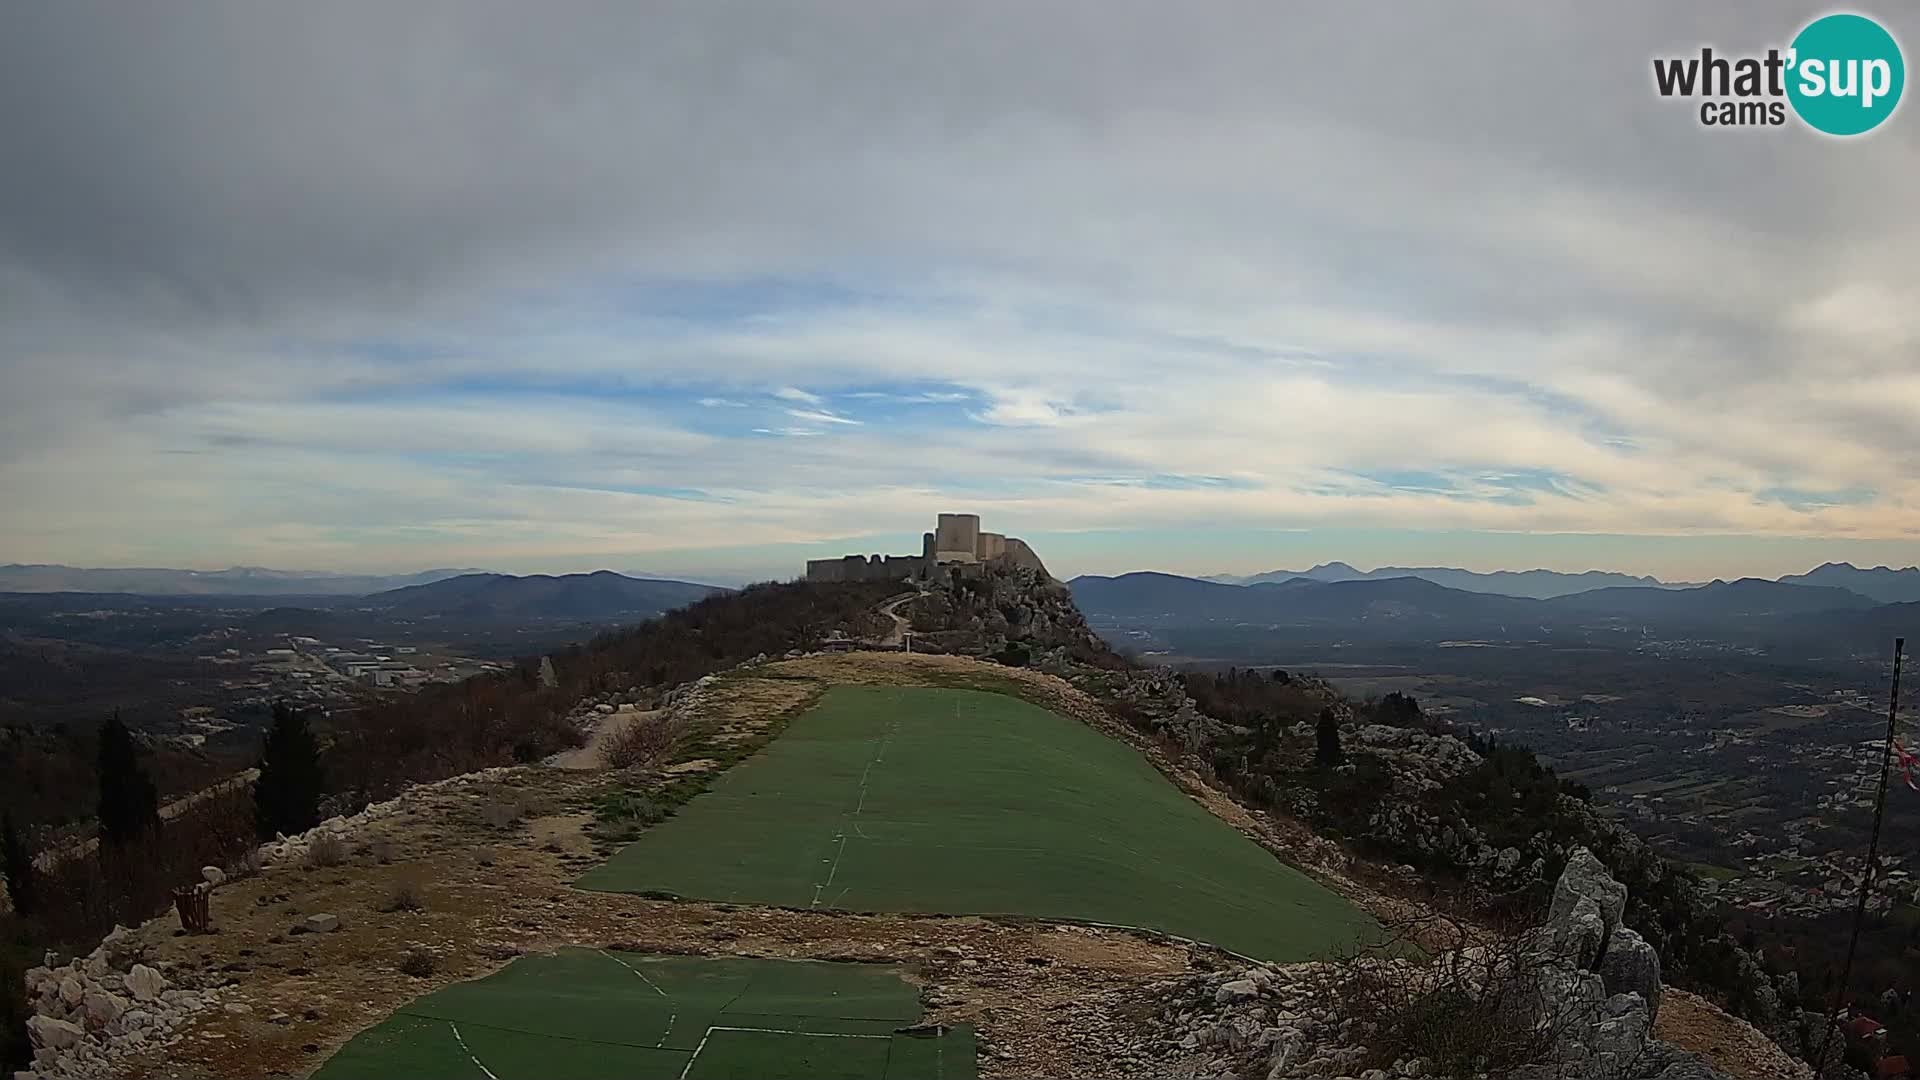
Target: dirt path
{"x": 893, "y": 638}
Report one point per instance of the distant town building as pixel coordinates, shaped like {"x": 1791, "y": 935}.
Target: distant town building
{"x": 955, "y": 546}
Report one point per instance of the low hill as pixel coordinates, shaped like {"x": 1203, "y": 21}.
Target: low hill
{"x": 1148, "y": 594}
{"x": 603, "y": 594}
{"x": 1744, "y": 598}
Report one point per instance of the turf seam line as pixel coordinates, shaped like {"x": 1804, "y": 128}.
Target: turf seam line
{"x": 879, "y": 755}
{"x": 688, "y": 1068}
{"x": 673, "y": 1007}
{"x": 470, "y": 1055}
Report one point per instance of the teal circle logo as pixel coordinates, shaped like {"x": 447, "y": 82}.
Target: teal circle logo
{"x": 1846, "y": 74}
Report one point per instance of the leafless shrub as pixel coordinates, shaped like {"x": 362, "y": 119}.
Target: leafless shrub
{"x": 641, "y": 744}
{"x": 325, "y": 850}
{"x": 245, "y": 865}
{"x": 1475, "y": 1009}
{"x": 406, "y": 896}
{"x": 418, "y": 963}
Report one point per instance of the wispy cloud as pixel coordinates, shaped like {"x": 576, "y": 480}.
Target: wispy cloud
{"x": 1136, "y": 273}
{"x": 819, "y": 417}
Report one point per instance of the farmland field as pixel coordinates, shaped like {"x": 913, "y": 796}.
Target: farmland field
{"x": 890, "y": 799}
{"x": 590, "y": 1014}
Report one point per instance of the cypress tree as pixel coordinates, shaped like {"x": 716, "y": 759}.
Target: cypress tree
{"x": 129, "y": 803}
{"x": 19, "y": 867}
{"x": 1328, "y": 733}
{"x": 286, "y": 798}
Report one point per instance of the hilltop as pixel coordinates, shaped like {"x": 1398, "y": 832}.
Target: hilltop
{"x": 474, "y": 871}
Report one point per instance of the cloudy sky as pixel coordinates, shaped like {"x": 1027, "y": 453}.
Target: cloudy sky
{"x": 707, "y": 288}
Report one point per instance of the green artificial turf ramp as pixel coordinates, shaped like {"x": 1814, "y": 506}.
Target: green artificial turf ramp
{"x": 909, "y": 799}
{"x": 589, "y": 1014}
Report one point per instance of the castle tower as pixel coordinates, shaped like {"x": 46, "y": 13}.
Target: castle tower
{"x": 956, "y": 538}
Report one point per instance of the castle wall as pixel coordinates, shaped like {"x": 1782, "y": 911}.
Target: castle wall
{"x": 866, "y": 568}
{"x": 1019, "y": 554}
{"x": 990, "y": 546}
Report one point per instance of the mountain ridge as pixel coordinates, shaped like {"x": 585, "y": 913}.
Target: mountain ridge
{"x": 600, "y": 594}
{"x": 1409, "y": 602}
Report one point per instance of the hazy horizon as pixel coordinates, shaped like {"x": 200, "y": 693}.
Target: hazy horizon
{"x": 1079, "y": 554}
{"x": 710, "y": 291}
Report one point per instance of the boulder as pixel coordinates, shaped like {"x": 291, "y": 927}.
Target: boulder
{"x": 213, "y": 875}
{"x": 52, "y": 1034}
{"x": 1632, "y": 966}
{"x": 71, "y": 991}
{"x": 1586, "y": 876}
{"x": 322, "y": 923}
{"x": 104, "y": 1008}
{"x": 144, "y": 983}
{"x": 1236, "y": 990}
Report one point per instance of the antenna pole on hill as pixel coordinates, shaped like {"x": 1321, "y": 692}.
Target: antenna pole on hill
{"x": 1873, "y": 856}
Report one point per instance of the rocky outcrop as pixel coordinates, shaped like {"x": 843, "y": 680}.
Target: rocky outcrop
{"x": 1581, "y": 992}
{"x": 1597, "y": 986}
{"x": 93, "y": 1011}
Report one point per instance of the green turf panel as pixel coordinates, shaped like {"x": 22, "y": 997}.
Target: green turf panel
{"x": 518, "y": 1055}
{"x": 590, "y": 1013}
{"x": 412, "y": 1047}
{"x": 963, "y": 802}
{"x": 623, "y": 1016}
{"x": 779, "y": 1055}
{"x": 855, "y": 992}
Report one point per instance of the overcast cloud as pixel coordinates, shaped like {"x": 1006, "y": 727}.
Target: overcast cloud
{"x": 363, "y": 286}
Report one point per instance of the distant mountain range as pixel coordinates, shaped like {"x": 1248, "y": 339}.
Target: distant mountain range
{"x": 234, "y": 581}
{"x": 1879, "y": 583}
{"x": 604, "y": 594}
{"x": 1412, "y": 606}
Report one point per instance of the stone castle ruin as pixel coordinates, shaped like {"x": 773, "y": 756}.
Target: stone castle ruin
{"x": 956, "y": 547}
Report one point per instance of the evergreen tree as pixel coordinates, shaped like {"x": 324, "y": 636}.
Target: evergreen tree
{"x": 1328, "y": 732}
{"x": 129, "y": 803}
{"x": 286, "y": 798}
{"x": 19, "y": 867}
